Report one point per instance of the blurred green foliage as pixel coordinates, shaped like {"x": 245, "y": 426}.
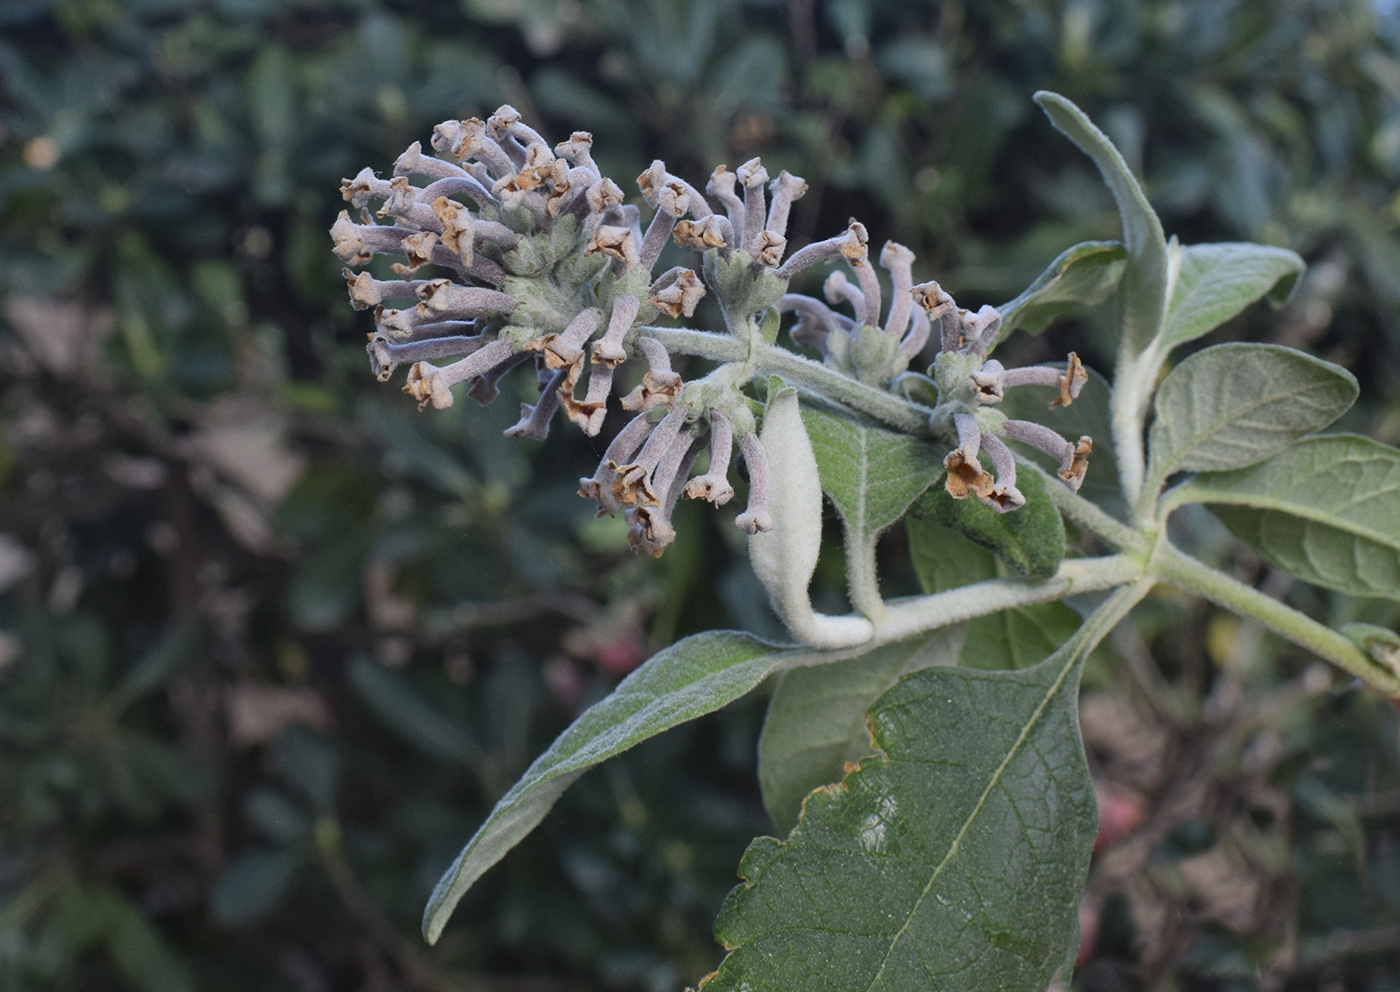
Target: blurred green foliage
{"x": 271, "y": 643}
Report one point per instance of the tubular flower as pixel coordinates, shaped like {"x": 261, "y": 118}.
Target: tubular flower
{"x": 970, "y": 385}
{"x": 860, "y": 345}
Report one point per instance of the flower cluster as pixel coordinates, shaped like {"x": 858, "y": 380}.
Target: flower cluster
{"x": 533, "y": 257}
{"x": 970, "y": 385}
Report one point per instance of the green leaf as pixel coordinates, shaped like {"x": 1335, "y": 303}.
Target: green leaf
{"x": 1217, "y": 281}
{"x": 1144, "y": 283}
{"x": 1016, "y": 638}
{"x": 1019, "y": 637}
{"x": 785, "y": 556}
{"x": 1031, "y": 540}
{"x": 689, "y": 679}
{"x": 1081, "y": 276}
{"x": 943, "y": 559}
{"x": 871, "y": 474}
{"x": 816, "y": 717}
{"x": 1326, "y": 509}
{"x": 1235, "y": 405}
{"x": 953, "y": 859}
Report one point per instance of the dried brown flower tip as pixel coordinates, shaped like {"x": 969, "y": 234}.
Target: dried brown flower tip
{"x": 650, "y": 528}
{"x": 767, "y": 248}
{"x": 636, "y": 483}
{"x": 608, "y": 350}
{"x": 679, "y": 295}
{"x": 367, "y": 293}
{"x": 966, "y": 476}
{"x": 988, "y": 383}
{"x": 649, "y": 183}
{"x": 1071, "y": 382}
{"x": 578, "y": 150}
{"x": 1078, "y": 463}
{"x": 603, "y": 196}
{"x": 457, "y": 234}
{"x": 701, "y": 235}
{"x": 599, "y": 486}
{"x": 714, "y": 484}
{"x": 418, "y": 249}
{"x": 617, "y": 242}
{"x": 588, "y": 414}
{"x": 659, "y": 386}
{"x": 425, "y": 385}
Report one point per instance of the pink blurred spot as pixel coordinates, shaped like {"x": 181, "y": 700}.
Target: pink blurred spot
{"x": 1088, "y": 931}
{"x": 1120, "y": 813}
{"x": 619, "y": 656}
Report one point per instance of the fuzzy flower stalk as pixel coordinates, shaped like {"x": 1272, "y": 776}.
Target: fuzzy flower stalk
{"x": 496, "y": 250}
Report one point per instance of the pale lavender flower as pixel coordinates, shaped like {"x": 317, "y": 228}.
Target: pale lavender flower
{"x": 511, "y": 250}
{"x": 968, "y": 382}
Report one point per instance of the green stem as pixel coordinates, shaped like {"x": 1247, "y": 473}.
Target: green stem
{"x": 1185, "y": 572}
{"x": 1088, "y": 516}
{"x": 765, "y": 359}
{"x": 904, "y": 618}
{"x": 861, "y": 580}
{"x": 1128, "y": 410}
{"x": 705, "y": 344}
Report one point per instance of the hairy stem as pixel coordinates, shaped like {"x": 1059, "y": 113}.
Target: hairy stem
{"x": 766, "y": 359}
{"x": 906, "y": 617}
{"x": 861, "y": 580}
{"x": 1131, "y": 390}
{"x": 1185, "y": 572}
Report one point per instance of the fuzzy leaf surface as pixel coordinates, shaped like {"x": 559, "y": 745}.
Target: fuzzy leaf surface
{"x": 1144, "y": 282}
{"x": 785, "y": 556}
{"x": 1217, "y": 281}
{"x": 1326, "y": 509}
{"x": 689, "y": 679}
{"x": 816, "y": 717}
{"x": 1236, "y": 405}
{"x": 950, "y": 860}
{"x": 1016, "y": 638}
{"x": 1031, "y": 540}
{"x": 1079, "y": 277}
{"x": 870, "y": 474}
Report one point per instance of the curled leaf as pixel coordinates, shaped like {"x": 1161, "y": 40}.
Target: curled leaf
{"x": 785, "y": 557}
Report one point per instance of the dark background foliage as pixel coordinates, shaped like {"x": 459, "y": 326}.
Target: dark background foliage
{"x": 271, "y": 643}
